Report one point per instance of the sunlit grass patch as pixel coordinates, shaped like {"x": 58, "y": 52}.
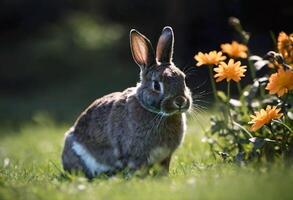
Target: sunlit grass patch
{"x": 30, "y": 168}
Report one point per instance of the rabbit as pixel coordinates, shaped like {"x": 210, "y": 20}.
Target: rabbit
{"x": 138, "y": 127}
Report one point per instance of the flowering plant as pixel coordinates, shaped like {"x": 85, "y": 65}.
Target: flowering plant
{"x": 256, "y": 124}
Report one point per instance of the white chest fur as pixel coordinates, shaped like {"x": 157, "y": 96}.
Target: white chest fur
{"x": 158, "y": 154}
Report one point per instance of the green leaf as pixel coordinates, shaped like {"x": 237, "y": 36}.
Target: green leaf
{"x": 222, "y": 96}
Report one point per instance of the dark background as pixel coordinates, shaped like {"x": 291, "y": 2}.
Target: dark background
{"x": 57, "y": 56}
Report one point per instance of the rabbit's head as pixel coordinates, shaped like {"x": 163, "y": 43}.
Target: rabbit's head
{"x": 162, "y": 88}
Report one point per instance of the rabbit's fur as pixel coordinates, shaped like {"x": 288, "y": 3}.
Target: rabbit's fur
{"x": 138, "y": 127}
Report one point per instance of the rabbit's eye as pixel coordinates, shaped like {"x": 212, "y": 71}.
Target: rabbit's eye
{"x": 157, "y": 86}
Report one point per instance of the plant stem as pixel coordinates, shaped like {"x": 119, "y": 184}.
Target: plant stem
{"x": 285, "y": 125}
{"x": 239, "y": 88}
{"x": 262, "y": 91}
{"x": 285, "y": 98}
{"x": 228, "y": 90}
{"x": 251, "y": 66}
{"x": 213, "y": 83}
{"x": 228, "y": 103}
{"x": 244, "y": 129}
{"x": 269, "y": 127}
{"x": 245, "y": 39}
{"x": 274, "y": 40}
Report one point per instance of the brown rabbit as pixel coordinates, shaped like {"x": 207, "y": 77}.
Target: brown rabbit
{"x": 138, "y": 127}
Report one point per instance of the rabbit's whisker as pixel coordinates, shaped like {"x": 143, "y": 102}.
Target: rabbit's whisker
{"x": 185, "y": 68}
{"x": 161, "y": 119}
{"x": 200, "y": 85}
{"x": 201, "y": 94}
{"x": 199, "y": 109}
{"x": 188, "y": 70}
{"x": 204, "y": 116}
{"x": 155, "y": 118}
{"x": 154, "y": 122}
{"x": 204, "y": 108}
{"x": 200, "y": 100}
{"x": 194, "y": 115}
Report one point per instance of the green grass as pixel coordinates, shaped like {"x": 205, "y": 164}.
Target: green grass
{"x": 30, "y": 169}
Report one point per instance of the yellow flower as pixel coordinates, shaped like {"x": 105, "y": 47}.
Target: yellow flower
{"x": 264, "y": 117}
{"x": 285, "y": 46}
{"x": 232, "y": 70}
{"x": 211, "y": 58}
{"x": 281, "y": 82}
{"x": 235, "y": 49}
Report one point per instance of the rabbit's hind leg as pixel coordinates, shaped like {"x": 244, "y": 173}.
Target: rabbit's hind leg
{"x": 77, "y": 157}
{"x": 70, "y": 160}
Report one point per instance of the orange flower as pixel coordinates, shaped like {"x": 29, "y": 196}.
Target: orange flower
{"x": 232, "y": 70}
{"x": 211, "y": 58}
{"x": 235, "y": 49}
{"x": 281, "y": 82}
{"x": 285, "y": 46}
{"x": 264, "y": 117}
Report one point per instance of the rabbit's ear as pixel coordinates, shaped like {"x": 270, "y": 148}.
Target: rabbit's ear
{"x": 142, "y": 50}
{"x": 165, "y": 45}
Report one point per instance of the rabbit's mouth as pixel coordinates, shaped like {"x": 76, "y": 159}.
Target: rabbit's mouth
{"x": 165, "y": 111}
{"x": 177, "y": 111}
{"x": 166, "y": 107}
{"x": 175, "y": 105}
{"x": 183, "y": 110}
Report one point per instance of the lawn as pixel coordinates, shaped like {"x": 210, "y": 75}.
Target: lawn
{"x": 30, "y": 169}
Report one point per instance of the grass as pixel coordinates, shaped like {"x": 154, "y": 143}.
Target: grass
{"x": 30, "y": 168}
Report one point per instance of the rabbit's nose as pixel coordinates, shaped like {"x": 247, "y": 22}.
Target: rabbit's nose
{"x": 180, "y": 102}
